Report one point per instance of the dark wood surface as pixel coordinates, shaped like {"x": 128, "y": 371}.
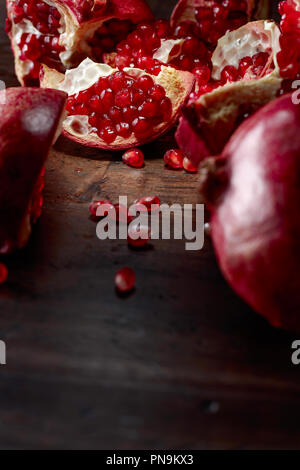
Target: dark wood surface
{"x": 181, "y": 363}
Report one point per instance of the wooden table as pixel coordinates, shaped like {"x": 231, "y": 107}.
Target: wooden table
{"x": 181, "y": 363}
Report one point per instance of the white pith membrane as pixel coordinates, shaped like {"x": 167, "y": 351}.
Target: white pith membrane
{"x": 177, "y": 85}
{"x": 224, "y": 102}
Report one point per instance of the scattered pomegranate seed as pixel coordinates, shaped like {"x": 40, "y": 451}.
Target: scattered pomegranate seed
{"x": 148, "y": 202}
{"x": 125, "y": 280}
{"x": 134, "y": 157}
{"x": 96, "y": 204}
{"x": 188, "y": 166}
{"x": 121, "y": 214}
{"x": 174, "y": 158}
{"x": 138, "y": 236}
{"x": 3, "y": 273}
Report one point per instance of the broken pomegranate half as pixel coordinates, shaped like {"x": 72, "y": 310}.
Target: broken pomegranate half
{"x": 245, "y": 76}
{"x": 209, "y": 20}
{"x": 61, "y": 33}
{"x": 113, "y": 109}
{"x": 30, "y": 121}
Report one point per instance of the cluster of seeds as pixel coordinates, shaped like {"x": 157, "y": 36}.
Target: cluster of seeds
{"x": 251, "y": 66}
{"x": 289, "y": 56}
{"x": 140, "y": 46}
{"x": 214, "y": 20}
{"x": 39, "y": 49}
{"x": 122, "y": 105}
{"x": 108, "y": 36}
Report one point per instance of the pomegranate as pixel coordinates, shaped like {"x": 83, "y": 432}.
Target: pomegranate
{"x": 113, "y": 109}
{"x": 125, "y": 280}
{"x": 253, "y": 191}
{"x": 188, "y": 166}
{"x": 245, "y": 76}
{"x": 94, "y": 206}
{"x": 209, "y": 20}
{"x": 61, "y": 33}
{"x": 289, "y": 56}
{"x": 30, "y": 120}
{"x": 138, "y": 235}
{"x": 134, "y": 158}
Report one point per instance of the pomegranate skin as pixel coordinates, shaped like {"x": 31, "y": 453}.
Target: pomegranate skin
{"x": 29, "y": 123}
{"x": 255, "y": 217}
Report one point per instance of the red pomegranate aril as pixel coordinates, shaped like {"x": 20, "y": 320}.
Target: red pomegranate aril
{"x": 123, "y": 98}
{"x": 192, "y": 46}
{"x": 157, "y": 92}
{"x": 93, "y": 207}
{"x": 134, "y": 158}
{"x": 130, "y": 113}
{"x": 108, "y": 134}
{"x": 138, "y": 97}
{"x": 141, "y": 126}
{"x": 229, "y": 74}
{"x": 115, "y": 114}
{"x": 260, "y": 59}
{"x": 174, "y": 158}
{"x": 244, "y": 65}
{"x": 202, "y": 74}
{"x": 95, "y": 103}
{"x": 107, "y": 98}
{"x": 116, "y": 81}
{"x": 124, "y": 130}
{"x": 121, "y": 214}
{"x": 165, "y": 107}
{"x": 150, "y": 202}
{"x": 162, "y": 28}
{"x": 149, "y": 108}
{"x": 138, "y": 236}
{"x": 188, "y": 166}
{"x": 125, "y": 280}
{"x": 145, "y": 82}
{"x": 3, "y": 273}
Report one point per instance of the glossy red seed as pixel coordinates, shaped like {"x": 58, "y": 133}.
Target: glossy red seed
{"x": 174, "y": 158}
{"x": 123, "y": 98}
{"x": 93, "y": 207}
{"x": 107, "y": 98}
{"x": 149, "y": 108}
{"x": 121, "y": 214}
{"x": 125, "y": 280}
{"x": 108, "y": 134}
{"x": 157, "y": 92}
{"x": 141, "y": 126}
{"x": 188, "y": 166}
{"x": 202, "y": 74}
{"x": 150, "y": 202}
{"x": 145, "y": 82}
{"x": 229, "y": 74}
{"x": 124, "y": 130}
{"x": 138, "y": 235}
{"x": 3, "y": 273}
{"x": 134, "y": 158}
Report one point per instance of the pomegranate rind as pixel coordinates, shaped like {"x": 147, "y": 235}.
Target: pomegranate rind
{"x": 185, "y": 10}
{"x": 177, "y": 84}
{"x": 255, "y": 223}
{"x": 30, "y": 121}
{"x": 79, "y": 24}
{"x": 210, "y": 120}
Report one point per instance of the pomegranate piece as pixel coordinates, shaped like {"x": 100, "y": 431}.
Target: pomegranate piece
{"x": 210, "y": 20}
{"x": 3, "y": 273}
{"x": 256, "y": 233}
{"x": 289, "y": 57}
{"x": 35, "y": 116}
{"x": 174, "y": 159}
{"x": 244, "y": 61}
{"x": 94, "y": 206}
{"x": 62, "y": 33}
{"x": 134, "y": 158}
{"x": 125, "y": 280}
{"x": 107, "y": 109}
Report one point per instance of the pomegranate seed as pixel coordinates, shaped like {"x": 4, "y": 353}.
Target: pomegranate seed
{"x": 130, "y": 113}
{"x": 174, "y": 158}
{"x": 107, "y": 98}
{"x": 125, "y": 280}
{"x": 115, "y": 114}
{"x": 124, "y": 130}
{"x": 202, "y": 74}
{"x": 96, "y": 204}
{"x": 141, "y": 126}
{"x": 188, "y": 166}
{"x": 244, "y": 64}
{"x": 108, "y": 134}
{"x": 150, "y": 202}
{"x": 134, "y": 157}
{"x": 3, "y": 273}
{"x": 157, "y": 92}
{"x": 149, "y": 108}
{"x": 229, "y": 74}
{"x": 121, "y": 214}
{"x": 138, "y": 235}
{"x": 123, "y": 98}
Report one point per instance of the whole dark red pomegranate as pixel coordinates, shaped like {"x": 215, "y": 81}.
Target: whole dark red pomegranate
{"x": 61, "y": 33}
{"x": 253, "y": 190}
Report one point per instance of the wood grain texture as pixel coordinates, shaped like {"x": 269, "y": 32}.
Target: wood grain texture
{"x": 180, "y": 364}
